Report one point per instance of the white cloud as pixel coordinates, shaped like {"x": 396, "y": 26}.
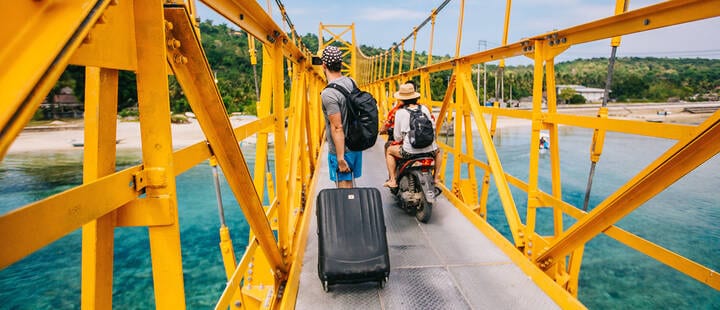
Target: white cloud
{"x": 380, "y": 14}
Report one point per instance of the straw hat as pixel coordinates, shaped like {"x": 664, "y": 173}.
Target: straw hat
{"x": 406, "y": 91}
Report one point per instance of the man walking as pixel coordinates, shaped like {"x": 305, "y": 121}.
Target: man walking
{"x": 344, "y": 165}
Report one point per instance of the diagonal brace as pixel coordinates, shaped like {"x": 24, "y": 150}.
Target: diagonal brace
{"x": 496, "y": 168}
{"x": 678, "y": 161}
{"x": 189, "y": 63}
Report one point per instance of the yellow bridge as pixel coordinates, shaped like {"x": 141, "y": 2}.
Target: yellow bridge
{"x": 155, "y": 38}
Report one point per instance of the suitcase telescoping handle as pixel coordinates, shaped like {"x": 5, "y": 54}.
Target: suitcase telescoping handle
{"x": 337, "y": 177}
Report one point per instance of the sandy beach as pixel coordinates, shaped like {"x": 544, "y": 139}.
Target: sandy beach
{"x": 60, "y": 136}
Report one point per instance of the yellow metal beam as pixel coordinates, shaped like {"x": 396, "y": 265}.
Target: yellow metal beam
{"x": 101, "y": 87}
{"x": 263, "y": 111}
{"x": 195, "y": 76}
{"x": 552, "y": 289}
{"x": 293, "y": 283}
{"x": 446, "y": 103}
{"x": 112, "y": 40}
{"x": 679, "y": 160}
{"x": 655, "y": 16}
{"x": 281, "y": 164}
{"x": 696, "y": 271}
{"x": 458, "y": 38}
{"x": 132, "y": 211}
{"x": 142, "y": 212}
{"x": 554, "y": 144}
{"x": 39, "y": 39}
{"x": 534, "y": 151}
{"x": 251, "y": 17}
{"x": 561, "y": 273}
{"x": 659, "y": 15}
{"x": 496, "y": 168}
{"x": 36, "y": 225}
{"x": 679, "y": 263}
{"x": 233, "y": 283}
{"x": 154, "y": 109}
{"x": 468, "y": 186}
{"x": 295, "y": 142}
{"x": 506, "y": 28}
{"x": 657, "y": 130}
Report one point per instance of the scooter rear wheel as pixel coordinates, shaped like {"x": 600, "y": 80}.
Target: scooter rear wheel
{"x": 424, "y": 211}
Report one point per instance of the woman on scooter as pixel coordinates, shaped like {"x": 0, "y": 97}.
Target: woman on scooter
{"x": 408, "y": 96}
{"x": 389, "y": 124}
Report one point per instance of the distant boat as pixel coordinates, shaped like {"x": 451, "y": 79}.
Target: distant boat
{"x": 544, "y": 141}
{"x": 81, "y": 143}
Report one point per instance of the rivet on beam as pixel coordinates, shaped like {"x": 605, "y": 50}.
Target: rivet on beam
{"x": 172, "y": 43}
{"x": 102, "y": 19}
{"x": 180, "y": 59}
{"x": 88, "y": 38}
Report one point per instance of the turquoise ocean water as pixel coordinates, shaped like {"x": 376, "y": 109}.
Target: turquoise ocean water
{"x": 684, "y": 218}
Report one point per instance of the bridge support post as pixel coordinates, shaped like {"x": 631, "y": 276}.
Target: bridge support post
{"x": 154, "y": 108}
{"x": 101, "y": 86}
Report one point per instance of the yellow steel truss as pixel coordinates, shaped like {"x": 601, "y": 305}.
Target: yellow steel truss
{"x": 156, "y": 38}
{"x": 550, "y": 253}
{"x": 338, "y": 35}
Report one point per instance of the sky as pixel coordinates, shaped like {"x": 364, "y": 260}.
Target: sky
{"x": 382, "y": 23}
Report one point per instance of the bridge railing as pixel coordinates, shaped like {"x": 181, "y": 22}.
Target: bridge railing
{"x": 155, "y": 39}
{"x": 559, "y": 255}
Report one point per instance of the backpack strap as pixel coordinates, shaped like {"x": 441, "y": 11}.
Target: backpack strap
{"x": 341, "y": 89}
{"x": 347, "y": 105}
{"x": 414, "y": 111}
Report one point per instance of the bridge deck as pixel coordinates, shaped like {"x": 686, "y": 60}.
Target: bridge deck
{"x": 444, "y": 264}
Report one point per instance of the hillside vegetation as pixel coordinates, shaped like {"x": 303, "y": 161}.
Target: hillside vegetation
{"x": 634, "y": 79}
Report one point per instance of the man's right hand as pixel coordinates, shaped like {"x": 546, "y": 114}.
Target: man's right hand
{"x": 343, "y": 165}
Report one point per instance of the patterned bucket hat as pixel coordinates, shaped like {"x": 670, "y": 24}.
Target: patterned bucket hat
{"x": 331, "y": 54}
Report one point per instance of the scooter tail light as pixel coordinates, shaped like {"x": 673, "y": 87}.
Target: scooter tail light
{"x": 427, "y": 162}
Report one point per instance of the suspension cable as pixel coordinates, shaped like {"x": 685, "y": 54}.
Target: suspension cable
{"x": 599, "y": 135}
{"x": 286, "y": 19}
{"x": 413, "y": 33}
{"x": 428, "y": 19}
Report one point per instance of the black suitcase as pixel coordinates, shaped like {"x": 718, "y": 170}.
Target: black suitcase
{"x": 352, "y": 244}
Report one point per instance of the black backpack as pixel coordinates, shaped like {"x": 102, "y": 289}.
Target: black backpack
{"x": 360, "y": 121}
{"x": 421, "y": 132}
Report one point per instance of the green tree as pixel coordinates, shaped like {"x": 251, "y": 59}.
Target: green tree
{"x": 566, "y": 94}
{"x": 628, "y": 85}
{"x": 227, "y": 53}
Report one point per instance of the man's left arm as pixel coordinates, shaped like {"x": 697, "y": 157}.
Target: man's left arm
{"x": 338, "y": 136}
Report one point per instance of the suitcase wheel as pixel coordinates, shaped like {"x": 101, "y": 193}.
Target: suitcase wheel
{"x": 381, "y": 283}
{"x": 326, "y": 286}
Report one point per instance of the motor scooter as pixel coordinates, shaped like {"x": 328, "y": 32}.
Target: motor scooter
{"x": 416, "y": 189}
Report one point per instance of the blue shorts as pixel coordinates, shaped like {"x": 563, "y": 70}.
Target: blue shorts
{"x": 354, "y": 160}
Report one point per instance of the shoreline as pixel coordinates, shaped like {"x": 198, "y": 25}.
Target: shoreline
{"x": 60, "y": 136}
